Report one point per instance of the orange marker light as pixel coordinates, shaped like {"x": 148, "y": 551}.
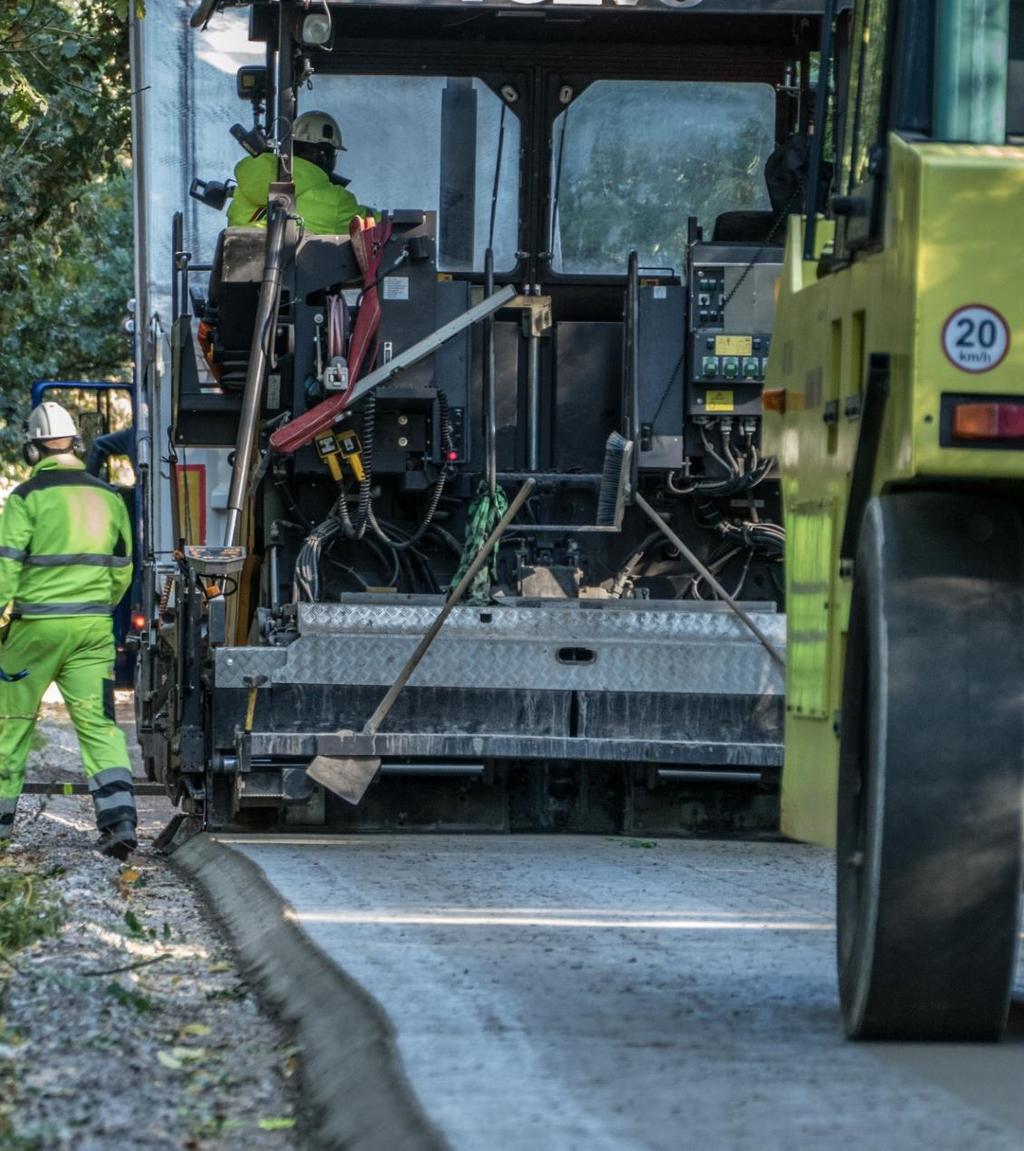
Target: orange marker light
{"x": 774, "y": 400}
{"x": 988, "y": 421}
{"x": 138, "y": 622}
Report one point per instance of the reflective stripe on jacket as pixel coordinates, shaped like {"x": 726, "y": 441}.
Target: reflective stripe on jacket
{"x": 65, "y": 543}
{"x": 325, "y": 208}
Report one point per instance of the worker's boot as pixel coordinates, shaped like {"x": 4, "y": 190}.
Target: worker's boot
{"x": 118, "y": 840}
{"x": 114, "y": 798}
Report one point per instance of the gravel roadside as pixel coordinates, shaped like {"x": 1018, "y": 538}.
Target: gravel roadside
{"x": 131, "y": 1026}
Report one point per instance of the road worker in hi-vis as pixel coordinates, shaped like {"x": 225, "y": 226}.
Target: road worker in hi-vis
{"x": 65, "y": 563}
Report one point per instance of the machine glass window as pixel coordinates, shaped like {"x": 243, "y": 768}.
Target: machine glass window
{"x": 632, "y": 160}
{"x": 430, "y": 142}
{"x": 866, "y": 79}
{"x": 1015, "y": 76}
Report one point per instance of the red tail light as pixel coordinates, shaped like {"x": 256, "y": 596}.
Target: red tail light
{"x": 138, "y": 622}
{"x": 988, "y": 421}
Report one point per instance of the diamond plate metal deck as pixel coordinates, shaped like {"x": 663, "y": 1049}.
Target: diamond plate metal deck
{"x": 656, "y": 648}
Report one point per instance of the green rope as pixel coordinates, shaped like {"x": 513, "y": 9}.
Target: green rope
{"x": 484, "y": 513}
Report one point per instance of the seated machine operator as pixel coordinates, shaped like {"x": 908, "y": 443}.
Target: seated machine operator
{"x": 324, "y": 203}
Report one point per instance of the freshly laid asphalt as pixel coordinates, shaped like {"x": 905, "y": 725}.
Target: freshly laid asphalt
{"x": 555, "y": 993}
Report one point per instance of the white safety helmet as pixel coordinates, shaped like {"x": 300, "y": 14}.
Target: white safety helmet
{"x": 318, "y": 128}
{"x": 49, "y": 421}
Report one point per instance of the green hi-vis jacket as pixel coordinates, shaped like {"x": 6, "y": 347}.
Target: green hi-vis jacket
{"x": 65, "y": 543}
{"x": 325, "y": 208}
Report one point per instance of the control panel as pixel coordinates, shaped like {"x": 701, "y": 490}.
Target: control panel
{"x": 731, "y": 304}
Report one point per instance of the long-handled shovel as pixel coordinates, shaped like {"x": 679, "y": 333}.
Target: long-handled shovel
{"x": 350, "y": 776}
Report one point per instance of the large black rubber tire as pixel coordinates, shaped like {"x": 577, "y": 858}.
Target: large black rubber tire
{"x": 932, "y": 770}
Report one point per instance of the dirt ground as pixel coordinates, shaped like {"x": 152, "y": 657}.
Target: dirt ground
{"x": 131, "y": 1026}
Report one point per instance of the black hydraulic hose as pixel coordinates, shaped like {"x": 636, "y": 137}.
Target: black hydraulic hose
{"x": 627, "y": 569}
{"x": 407, "y": 572}
{"x": 424, "y": 569}
{"x": 435, "y": 495}
{"x": 294, "y": 510}
{"x": 446, "y": 538}
{"x": 388, "y": 561}
{"x": 392, "y": 569}
{"x": 639, "y": 550}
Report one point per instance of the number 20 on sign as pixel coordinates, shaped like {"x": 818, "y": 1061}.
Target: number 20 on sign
{"x": 975, "y": 338}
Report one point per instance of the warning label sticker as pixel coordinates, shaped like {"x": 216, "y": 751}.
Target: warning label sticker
{"x": 975, "y": 338}
{"x": 396, "y": 288}
{"x": 719, "y": 401}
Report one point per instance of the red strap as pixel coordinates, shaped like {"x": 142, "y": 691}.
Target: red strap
{"x": 368, "y": 240}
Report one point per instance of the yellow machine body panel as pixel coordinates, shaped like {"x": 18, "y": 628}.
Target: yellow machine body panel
{"x": 941, "y": 299}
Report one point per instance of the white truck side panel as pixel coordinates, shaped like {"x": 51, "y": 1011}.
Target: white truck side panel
{"x": 184, "y": 103}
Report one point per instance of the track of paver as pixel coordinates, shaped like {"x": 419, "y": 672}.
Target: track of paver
{"x": 561, "y": 993}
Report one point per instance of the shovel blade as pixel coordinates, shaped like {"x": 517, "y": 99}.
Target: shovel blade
{"x": 347, "y": 776}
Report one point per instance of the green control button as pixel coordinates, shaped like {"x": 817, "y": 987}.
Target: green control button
{"x": 730, "y": 367}
{"x": 751, "y": 366}
{"x": 709, "y": 366}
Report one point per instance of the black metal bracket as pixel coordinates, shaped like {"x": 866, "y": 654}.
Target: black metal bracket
{"x": 876, "y": 395}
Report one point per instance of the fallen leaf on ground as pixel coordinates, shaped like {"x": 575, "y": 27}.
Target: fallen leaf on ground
{"x": 166, "y": 1059}
{"x": 276, "y": 1124}
{"x": 128, "y": 998}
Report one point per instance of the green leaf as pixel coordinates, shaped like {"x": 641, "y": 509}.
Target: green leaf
{"x": 276, "y": 1124}
{"x": 166, "y": 1059}
{"x": 133, "y": 924}
{"x": 128, "y": 998}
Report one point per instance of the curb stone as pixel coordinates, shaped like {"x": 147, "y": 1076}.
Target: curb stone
{"x": 351, "y": 1073}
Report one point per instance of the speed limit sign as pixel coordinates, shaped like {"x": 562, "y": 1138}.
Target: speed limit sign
{"x": 975, "y": 338}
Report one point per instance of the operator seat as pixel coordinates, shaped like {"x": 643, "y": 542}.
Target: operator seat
{"x": 747, "y": 228}
{"x": 322, "y": 261}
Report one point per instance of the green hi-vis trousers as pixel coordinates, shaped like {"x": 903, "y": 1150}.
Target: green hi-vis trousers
{"x": 76, "y": 653}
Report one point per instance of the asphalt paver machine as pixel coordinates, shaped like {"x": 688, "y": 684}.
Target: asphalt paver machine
{"x": 568, "y": 276}
{"x": 896, "y": 397}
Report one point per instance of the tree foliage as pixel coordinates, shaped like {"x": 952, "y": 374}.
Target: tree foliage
{"x": 65, "y": 198}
